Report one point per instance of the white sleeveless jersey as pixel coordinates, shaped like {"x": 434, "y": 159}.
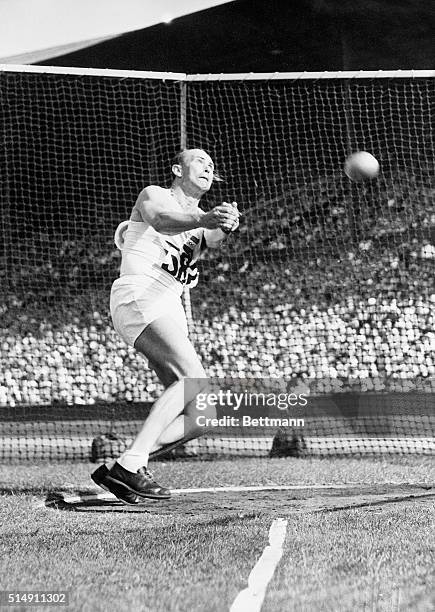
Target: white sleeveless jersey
{"x": 170, "y": 260}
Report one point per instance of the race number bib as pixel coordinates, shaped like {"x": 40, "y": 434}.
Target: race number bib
{"x": 179, "y": 262}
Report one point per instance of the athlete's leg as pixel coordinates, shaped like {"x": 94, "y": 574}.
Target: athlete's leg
{"x": 167, "y": 347}
{"x": 175, "y": 433}
{"x": 183, "y": 427}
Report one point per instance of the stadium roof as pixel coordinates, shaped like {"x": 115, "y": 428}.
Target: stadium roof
{"x": 32, "y": 31}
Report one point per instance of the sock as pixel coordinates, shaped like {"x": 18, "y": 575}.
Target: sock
{"x": 133, "y": 461}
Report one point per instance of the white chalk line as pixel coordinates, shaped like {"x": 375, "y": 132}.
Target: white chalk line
{"x": 251, "y": 599}
{"x": 107, "y": 496}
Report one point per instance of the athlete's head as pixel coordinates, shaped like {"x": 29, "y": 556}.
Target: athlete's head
{"x": 194, "y": 168}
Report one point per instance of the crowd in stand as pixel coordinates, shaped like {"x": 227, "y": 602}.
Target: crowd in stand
{"x": 313, "y": 300}
{"x": 375, "y": 343}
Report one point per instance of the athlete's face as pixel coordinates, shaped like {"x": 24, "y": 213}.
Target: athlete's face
{"x": 198, "y": 168}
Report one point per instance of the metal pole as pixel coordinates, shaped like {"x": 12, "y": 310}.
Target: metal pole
{"x": 183, "y": 145}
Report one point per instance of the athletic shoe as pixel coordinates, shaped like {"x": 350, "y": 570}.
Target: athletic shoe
{"x": 142, "y": 483}
{"x": 119, "y": 491}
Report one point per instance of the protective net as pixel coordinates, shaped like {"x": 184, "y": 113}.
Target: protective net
{"x": 326, "y": 282}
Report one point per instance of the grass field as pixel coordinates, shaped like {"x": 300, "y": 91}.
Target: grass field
{"x": 365, "y": 547}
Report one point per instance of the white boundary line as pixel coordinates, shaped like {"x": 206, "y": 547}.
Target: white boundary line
{"x": 251, "y": 598}
{"x": 106, "y": 496}
{"x": 294, "y": 487}
{"x": 243, "y": 76}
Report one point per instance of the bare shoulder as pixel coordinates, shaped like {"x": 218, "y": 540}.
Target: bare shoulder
{"x": 154, "y": 192}
{"x": 151, "y": 201}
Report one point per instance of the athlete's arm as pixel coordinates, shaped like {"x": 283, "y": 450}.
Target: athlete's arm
{"x": 156, "y": 208}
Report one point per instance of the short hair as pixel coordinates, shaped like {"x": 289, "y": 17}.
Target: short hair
{"x": 178, "y": 157}
{"x": 178, "y": 160}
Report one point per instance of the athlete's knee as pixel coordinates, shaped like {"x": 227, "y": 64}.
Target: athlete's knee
{"x": 171, "y": 371}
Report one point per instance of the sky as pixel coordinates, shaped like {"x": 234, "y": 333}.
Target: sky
{"x": 28, "y": 25}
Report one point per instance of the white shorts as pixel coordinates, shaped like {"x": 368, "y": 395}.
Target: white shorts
{"x": 136, "y": 301}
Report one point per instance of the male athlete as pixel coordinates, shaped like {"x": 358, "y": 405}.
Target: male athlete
{"x": 160, "y": 245}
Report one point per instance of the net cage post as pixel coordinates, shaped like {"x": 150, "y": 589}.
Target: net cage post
{"x": 183, "y": 145}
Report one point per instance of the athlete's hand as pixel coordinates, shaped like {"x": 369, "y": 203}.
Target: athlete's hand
{"x": 231, "y": 228}
{"x": 223, "y": 217}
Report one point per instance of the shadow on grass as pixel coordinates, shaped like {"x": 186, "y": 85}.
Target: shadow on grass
{"x": 41, "y": 490}
{"x": 175, "y": 507}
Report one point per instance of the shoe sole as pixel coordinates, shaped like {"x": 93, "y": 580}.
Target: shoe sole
{"x": 124, "y": 501}
{"x": 145, "y": 496}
